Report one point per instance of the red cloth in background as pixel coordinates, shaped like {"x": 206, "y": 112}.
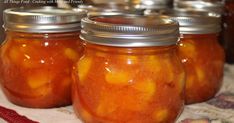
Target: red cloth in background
{"x": 12, "y": 116}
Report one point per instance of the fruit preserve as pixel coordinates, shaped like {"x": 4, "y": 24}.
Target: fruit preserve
{"x": 130, "y": 72}
{"x": 204, "y": 60}
{"x": 38, "y": 54}
{"x": 200, "y": 53}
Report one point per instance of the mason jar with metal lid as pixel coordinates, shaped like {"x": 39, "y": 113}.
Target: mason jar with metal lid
{"x": 200, "y": 53}
{"x": 37, "y": 56}
{"x": 130, "y": 71}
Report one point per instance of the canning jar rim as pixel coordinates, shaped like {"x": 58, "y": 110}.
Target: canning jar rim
{"x": 125, "y": 35}
{"x": 195, "y": 21}
{"x": 44, "y": 19}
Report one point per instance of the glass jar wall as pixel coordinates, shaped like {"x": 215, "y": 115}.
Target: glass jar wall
{"x": 36, "y": 68}
{"x": 203, "y": 59}
{"x": 200, "y": 52}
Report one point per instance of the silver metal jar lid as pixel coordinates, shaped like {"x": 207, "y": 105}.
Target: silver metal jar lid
{"x": 196, "y": 22}
{"x": 156, "y": 12}
{"x": 130, "y": 31}
{"x": 110, "y": 8}
{"x": 205, "y": 5}
{"x": 95, "y": 11}
{"x": 43, "y": 20}
{"x": 154, "y": 4}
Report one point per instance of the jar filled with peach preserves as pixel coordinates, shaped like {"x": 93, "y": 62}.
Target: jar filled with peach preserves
{"x": 37, "y": 55}
{"x": 201, "y": 53}
{"x": 129, "y": 72}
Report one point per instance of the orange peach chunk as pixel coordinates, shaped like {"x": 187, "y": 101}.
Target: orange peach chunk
{"x": 83, "y": 68}
{"x": 200, "y": 74}
{"x": 106, "y": 106}
{"x": 160, "y": 116}
{"x": 42, "y": 91}
{"x": 181, "y": 79}
{"x": 169, "y": 67}
{"x": 117, "y": 77}
{"x": 190, "y": 81}
{"x": 153, "y": 64}
{"x": 14, "y": 54}
{"x": 188, "y": 48}
{"x": 38, "y": 80}
{"x": 71, "y": 54}
{"x": 147, "y": 88}
{"x": 39, "y": 83}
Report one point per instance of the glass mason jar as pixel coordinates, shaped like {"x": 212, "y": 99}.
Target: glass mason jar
{"x": 129, "y": 72}
{"x": 228, "y": 31}
{"x": 201, "y": 54}
{"x": 38, "y": 54}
